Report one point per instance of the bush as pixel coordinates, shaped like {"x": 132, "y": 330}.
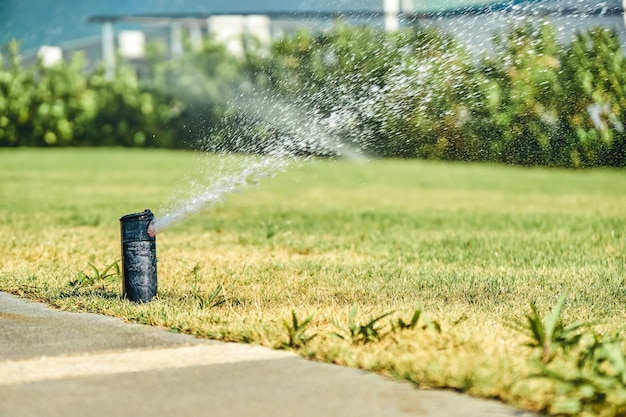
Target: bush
{"x": 557, "y": 105}
{"x": 420, "y": 93}
{"x": 64, "y": 106}
{"x": 522, "y": 89}
{"x": 594, "y": 79}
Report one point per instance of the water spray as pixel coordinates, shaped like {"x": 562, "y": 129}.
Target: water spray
{"x": 299, "y": 134}
{"x": 139, "y": 257}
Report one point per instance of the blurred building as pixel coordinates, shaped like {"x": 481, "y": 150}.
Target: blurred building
{"x": 44, "y": 22}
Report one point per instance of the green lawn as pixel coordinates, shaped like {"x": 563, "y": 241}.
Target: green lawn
{"x": 472, "y": 245}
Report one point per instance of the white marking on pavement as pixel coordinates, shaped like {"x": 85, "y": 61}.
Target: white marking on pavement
{"x": 60, "y": 367}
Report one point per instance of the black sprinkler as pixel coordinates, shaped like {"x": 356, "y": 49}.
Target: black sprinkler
{"x": 139, "y": 257}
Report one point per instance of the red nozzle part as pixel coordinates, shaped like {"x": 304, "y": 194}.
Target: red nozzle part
{"x": 151, "y": 231}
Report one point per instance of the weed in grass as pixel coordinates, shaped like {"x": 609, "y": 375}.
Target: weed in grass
{"x": 595, "y": 385}
{"x": 97, "y": 278}
{"x": 549, "y": 333}
{"x": 361, "y": 333}
{"x": 213, "y": 299}
{"x": 296, "y": 332}
{"x": 399, "y": 324}
{"x": 205, "y": 300}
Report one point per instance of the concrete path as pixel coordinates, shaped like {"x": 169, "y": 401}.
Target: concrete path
{"x": 73, "y": 365}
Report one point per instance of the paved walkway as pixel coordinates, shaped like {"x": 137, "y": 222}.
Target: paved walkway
{"x": 73, "y": 365}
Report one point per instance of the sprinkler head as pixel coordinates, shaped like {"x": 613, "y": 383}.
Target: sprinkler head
{"x": 138, "y": 257}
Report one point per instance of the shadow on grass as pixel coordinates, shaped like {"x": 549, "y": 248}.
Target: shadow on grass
{"x": 98, "y": 293}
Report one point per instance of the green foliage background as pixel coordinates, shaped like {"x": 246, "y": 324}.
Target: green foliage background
{"x": 416, "y": 93}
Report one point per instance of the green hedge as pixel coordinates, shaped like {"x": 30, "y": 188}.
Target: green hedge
{"x": 413, "y": 93}
{"x": 64, "y": 106}
{"x": 420, "y": 93}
